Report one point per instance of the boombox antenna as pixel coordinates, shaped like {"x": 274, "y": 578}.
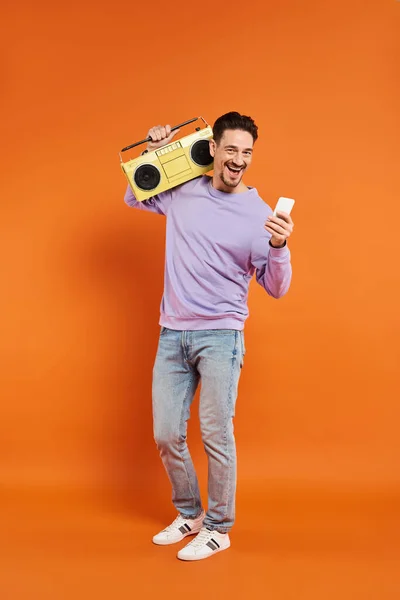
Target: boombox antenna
{"x": 148, "y": 139}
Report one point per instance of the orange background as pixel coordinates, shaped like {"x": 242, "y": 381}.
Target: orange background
{"x": 318, "y": 413}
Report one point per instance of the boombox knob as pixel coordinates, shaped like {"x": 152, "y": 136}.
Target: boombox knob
{"x": 198, "y": 128}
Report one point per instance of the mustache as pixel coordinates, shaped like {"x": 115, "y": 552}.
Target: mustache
{"x": 234, "y": 165}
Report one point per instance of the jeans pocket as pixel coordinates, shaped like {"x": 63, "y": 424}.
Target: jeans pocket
{"x": 163, "y": 330}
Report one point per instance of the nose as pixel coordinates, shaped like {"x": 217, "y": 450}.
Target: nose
{"x": 238, "y": 160}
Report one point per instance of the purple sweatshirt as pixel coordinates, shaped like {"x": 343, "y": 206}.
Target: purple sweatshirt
{"x": 215, "y": 242}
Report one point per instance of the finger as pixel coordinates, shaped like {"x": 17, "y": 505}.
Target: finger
{"x": 163, "y": 133}
{"x": 277, "y": 228}
{"x": 152, "y": 134}
{"x": 158, "y": 133}
{"x": 284, "y": 216}
{"x": 168, "y": 130}
{"x": 173, "y": 133}
{"x": 279, "y": 238}
{"x": 287, "y": 225}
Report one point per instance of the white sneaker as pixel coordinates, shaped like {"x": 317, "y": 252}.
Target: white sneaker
{"x": 178, "y": 530}
{"x": 205, "y": 544}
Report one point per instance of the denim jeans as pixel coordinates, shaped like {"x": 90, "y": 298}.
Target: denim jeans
{"x": 214, "y": 357}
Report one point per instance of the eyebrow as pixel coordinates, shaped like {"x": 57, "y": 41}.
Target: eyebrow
{"x": 236, "y": 148}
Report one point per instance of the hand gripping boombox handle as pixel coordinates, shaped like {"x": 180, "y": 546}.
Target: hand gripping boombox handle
{"x": 148, "y": 139}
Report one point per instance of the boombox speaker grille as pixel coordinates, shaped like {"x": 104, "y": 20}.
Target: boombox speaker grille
{"x": 200, "y": 153}
{"x": 147, "y": 177}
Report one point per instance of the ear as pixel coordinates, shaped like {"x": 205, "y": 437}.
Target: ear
{"x": 213, "y": 146}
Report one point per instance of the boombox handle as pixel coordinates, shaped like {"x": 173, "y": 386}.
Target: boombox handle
{"x": 148, "y": 139}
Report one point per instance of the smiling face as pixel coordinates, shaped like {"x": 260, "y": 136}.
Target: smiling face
{"x": 232, "y": 157}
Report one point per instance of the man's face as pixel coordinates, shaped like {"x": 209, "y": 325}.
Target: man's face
{"x": 232, "y": 156}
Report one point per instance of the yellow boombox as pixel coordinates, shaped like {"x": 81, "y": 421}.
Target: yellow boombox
{"x": 170, "y": 165}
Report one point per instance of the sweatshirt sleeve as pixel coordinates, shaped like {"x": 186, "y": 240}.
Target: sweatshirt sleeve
{"x": 157, "y": 204}
{"x": 272, "y": 265}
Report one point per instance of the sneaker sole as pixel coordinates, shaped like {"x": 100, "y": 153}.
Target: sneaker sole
{"x": 191, "y": 558}
{"x": 169, "y": 542}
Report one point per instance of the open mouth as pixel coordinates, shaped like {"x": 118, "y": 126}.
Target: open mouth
{"x": 234, "y": 170}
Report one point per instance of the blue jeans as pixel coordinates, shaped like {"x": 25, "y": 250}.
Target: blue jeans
{"x": 183, "y": 359}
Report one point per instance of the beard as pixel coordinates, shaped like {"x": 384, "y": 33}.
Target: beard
{"x": 231, "y": 181}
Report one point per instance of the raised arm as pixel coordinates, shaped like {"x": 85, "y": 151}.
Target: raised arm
{"x": 160, "y": 136}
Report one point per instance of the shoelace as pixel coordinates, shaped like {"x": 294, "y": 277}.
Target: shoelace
{"x": 177, "y": 523}
{"x": 202, "y": 538}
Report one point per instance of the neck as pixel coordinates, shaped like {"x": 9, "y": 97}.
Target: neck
{"x": 221, "y": 187}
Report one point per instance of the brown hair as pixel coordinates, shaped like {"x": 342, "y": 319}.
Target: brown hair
{"x": 234, "y": 120}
